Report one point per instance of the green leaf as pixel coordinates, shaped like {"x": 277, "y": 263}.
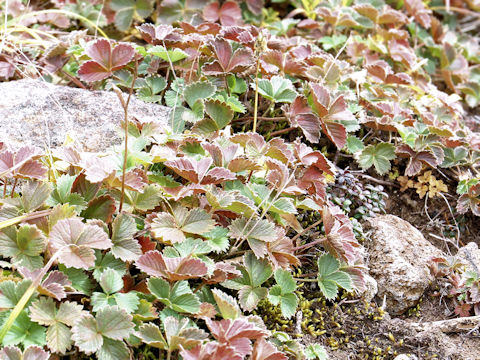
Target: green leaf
{"x": 152, "y": 336}
{"x": 62, "y": 194}
{"x": 111, "y": 281}
{"x": 249, "y": 296}
{"x": 377, "y": 155}
{"x": 79, "y": 279}
{"x": 454, "y": 156}
{"x": 236, "y": 85}
{"x": 113, "y": 350}
{"x": 147, "y": 200}
{"x": 107, "y": 261}
{"x": 170, "y": 55}
{"x": 11, "y": 292}
{"x": 277, "y": 89}
{"x": 128, "y": 301}
{"x": 220, "y": 112}
{"x": 179, "y": 297}
{"x": 150, "y": 87}
{"x": 316, "y": 351}
{"x": 330, "y": 277}
{"x": 198, "y": 91}
{"x": 24, "y": 245}
{"x": 34, "y": 195}
{"x": 26, "y": 332}
{"x": 218, "y": 239}
{"x": 125, "y": 247}
{"x": 354, "y": 144}
{"x": 127, "y": 9}
{"x": 226, "y": 304}
{"x": 285, "y": 279}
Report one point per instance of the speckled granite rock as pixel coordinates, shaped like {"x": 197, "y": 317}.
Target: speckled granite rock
{"x": 398, "y": 259}
{"x": 33, "y": 112}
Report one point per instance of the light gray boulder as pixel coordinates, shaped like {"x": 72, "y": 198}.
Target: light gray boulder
{"x": 34, "y": 112}
{"x": 470, "y": 255}
{"x": 398, "y": 261}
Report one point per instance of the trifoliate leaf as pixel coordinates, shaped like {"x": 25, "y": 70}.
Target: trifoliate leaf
{"x": 179, "y": 297}
{"x": 113, "y": 350}
{"x": 107, "y": 261}
{"x": 32, "y": 352}
{"x": 172, "y": 228}
{"x": 330, "y": 277}
{"x": 285, "y": 279}
{"x": 218, "y": 239}
{"x": 77, "y": 241}
{"x": 377, "y": 155}
{"x": 168, "y": 55}
{"x": 143, "y": 201}
{"x": 354, "y": 144}
{"x": 277, "y": 89}
{"x": 26, "y": 332}
{"x": 198, "y": 91}
{"x": 316, "y": 351}
{"x": 111, "y": 281}
{"x": 24, "y": 245}
{"x": 11, "y": 292}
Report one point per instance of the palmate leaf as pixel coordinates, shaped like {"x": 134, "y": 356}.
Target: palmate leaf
{"x": 154, "y": 263}
{"x": 54, "y": 285}
{"x": 23, "y": 163}
{"x": 76, "y": 241}
{"x": 172, "y": 228}
{"x": 44, "y": 312}
{"x": 229, "y": 13}
{"x": 300, "y": 115}
{"x": 24, "y": 245}
{"x": 197, "y": 171}
{"x": 198, "y": 91}
{"x": 264, "y": 350}
{"x": 11, "y": 292}
{"x": 416, "y": 159}
{"x": 34, "y": 195}
{"x": 330, "y": 277}
{"x": 105, "y": 60}
{"x": 283, "y": 293}
{"x": 24, "y": 331}
{"x": 236, "y": 333}
{"x": 178, "y": 297}
{"x": 32, "y": 352}
{"x": 111, "y": 283}
{"x": 94, "y": 334}
{"x": 228, "y": 61}
{"x": 150, "y": 88}
{"x": 142, "y": 201}
{"x": 377, "y": 155}
{"x": 107, "y": 261}
{"x": 125, "y": 246}
{"x": 277, "y": 89}
{"x": 254, "y": 273}
{"x": 257, "y": 232}
{"x": 126, "y": 10}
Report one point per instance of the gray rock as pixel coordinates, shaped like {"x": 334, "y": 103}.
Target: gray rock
{"x": 33, "y": 112}
{"x": 406, "y": 357}
{"x": 470, "y": 255}
{"x": 371, "y": 288}
{"x": 398, "y": 259}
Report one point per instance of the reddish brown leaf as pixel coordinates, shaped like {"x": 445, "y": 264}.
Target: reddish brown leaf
{"x": 23, "y": 163}
{"x": 105, "y": 60}
{"x": 158, "y": 35}
{"x": 211, "y": 351}
{"x": 229, "y": 13}
{"x": 153, "y": 263}
{"x": 102, "y": 207}
{"x": 263, "y": 350}
{"x": 416, "y": 159}
{"x": 227, "y": 61}
{"x": 470, "y": 201}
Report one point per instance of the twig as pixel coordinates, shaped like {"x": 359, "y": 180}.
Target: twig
{"x": 283, "y": 131}
{"x": 125, "y": 112}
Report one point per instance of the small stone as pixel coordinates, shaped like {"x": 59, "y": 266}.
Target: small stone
{"x": 406, "y": 357}
{"x": 398, "y": 261}
{"x": 34, "y": 112}
{"x": 371, "y": 288}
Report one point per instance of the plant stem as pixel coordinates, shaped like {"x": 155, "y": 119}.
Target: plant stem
{"x": 255, "y": 108}
{"x": 13, "y": 188}
{"x": 306, "y": 229}
{"x": 283, "y": 131}
{"x": 125, "y": 112}
{"x": 306, "y": 246}
{"x": 305, "y": 280}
